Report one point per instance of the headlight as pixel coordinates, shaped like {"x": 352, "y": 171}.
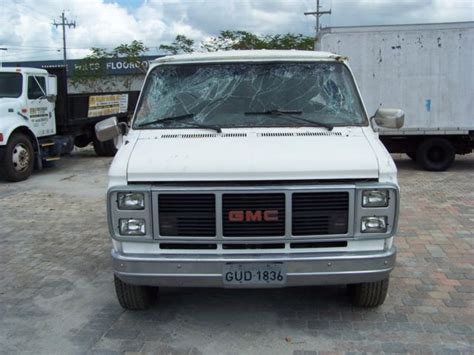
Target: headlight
{"x": 374, "y": 224}
{"x": 131, "y": 200}
{"x": 375, "y": 198}
{"x": 132, "y": 226}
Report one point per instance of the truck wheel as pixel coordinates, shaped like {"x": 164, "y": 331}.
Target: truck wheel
{"x": 134, "y": 297}
{"x": 19, "y": 158}
{"x": 82, "y": 141}
{"x": 369, "y": 294}
{"x": 107, "y": 148}
{"x": 435, "y": 154}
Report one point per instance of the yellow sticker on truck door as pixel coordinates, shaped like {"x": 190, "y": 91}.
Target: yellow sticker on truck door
{"x": 107, "y": 105}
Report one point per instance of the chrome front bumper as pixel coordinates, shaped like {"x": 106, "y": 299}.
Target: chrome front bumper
{"x": 204, "y": 270}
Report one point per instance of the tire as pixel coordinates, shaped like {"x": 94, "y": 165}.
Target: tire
{"x": 369, "y": 294}
{"x": 435, "y": 154}
{"x": 19, "y": 158}
{"x": 82, "y": 141}
{"x": 107, "y": 148}
{"x": 412, "y": 155}
{"x": 134, "y": 297}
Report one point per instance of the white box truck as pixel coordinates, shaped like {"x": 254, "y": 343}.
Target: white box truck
{"x": 247, "y": 169}
{"x": 428, "y": 71}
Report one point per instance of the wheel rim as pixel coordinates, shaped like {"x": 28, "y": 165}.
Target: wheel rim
{"x": 21, "y": 157}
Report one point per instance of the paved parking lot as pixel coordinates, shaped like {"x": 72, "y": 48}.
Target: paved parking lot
{"x": 56, "y": 288}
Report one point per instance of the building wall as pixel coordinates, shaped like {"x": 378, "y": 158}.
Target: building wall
{"x": 118, "y": 74}
{"x": 109, "y": 83}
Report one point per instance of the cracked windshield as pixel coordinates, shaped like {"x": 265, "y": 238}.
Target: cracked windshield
{"x": 250, "y": 95}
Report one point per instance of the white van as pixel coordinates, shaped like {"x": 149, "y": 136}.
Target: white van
{"x": 252, "y": 169}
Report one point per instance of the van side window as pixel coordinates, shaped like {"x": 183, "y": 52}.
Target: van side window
{"x": 34, "y": 90}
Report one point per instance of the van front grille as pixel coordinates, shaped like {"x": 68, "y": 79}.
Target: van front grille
{"x": 320, "y": 213}
{"x": 253, "y": 215}
{"x": 187, "y": 215}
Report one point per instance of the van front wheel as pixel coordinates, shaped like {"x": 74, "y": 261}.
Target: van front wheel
{"x": 134, "y": 297}
{"x": 369, "y": 294}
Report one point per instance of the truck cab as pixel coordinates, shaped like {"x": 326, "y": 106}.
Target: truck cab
{"x": 247, "y": 169}
{"x": 27, "y": 103}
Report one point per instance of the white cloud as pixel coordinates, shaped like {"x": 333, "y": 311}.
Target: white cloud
{"x": 26, "y": 24}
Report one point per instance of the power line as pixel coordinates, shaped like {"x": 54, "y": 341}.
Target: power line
{"x": 64, "y": 22}
{"x": 41, "y": 47}
{"x": 33, "y": 10}
{"x": 317, "y": 14}
{"x": 38, "y": 47}
{"x": 21, "y": 48}
{"x": 29, "y": 52}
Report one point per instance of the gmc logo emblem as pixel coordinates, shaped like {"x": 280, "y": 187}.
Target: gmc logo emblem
{"x": 253, "y": 216}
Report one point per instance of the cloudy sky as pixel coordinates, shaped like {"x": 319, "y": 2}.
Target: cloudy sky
{"x": 27, "y": 32}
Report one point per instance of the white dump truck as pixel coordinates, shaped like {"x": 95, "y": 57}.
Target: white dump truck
{"x": 39, "y": 120}
{"x": 247, "y": 169}
{"x": 427, "y": 69}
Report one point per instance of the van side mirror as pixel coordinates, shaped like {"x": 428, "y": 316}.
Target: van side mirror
{"x": 107, "y": 129}
{"x": 389, "y": 118}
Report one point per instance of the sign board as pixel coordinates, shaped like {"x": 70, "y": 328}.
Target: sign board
{"x": 107, "y": 105}
{"x": 112, "y": 66}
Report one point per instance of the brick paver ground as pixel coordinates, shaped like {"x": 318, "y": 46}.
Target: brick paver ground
{"x": 56, "y": 291}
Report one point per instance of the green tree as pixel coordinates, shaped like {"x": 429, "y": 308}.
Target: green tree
{"x": 236, "y": 40}
{"x": 181, "y": 44}
{"x": 228, "y": 40}
{"x": 290, "y": 41}
{"x": 131, "y": 52}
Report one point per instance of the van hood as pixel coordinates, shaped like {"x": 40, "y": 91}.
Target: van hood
{"x": 248, "y": 154}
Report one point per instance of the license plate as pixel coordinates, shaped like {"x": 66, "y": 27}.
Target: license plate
{"x": 254, "y": 274}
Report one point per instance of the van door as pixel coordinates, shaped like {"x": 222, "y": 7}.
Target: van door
{"x": 41, "y": 111}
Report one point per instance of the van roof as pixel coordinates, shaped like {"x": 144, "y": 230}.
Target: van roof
{"x": 247, "y": 56}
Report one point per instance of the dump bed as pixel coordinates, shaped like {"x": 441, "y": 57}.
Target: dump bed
{"x": 76, "y": 113}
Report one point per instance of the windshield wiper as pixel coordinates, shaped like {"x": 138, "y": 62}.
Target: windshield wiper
{"x": 290, "y": 113}
{"x": 164, "y": 119}
{"x": 170, "y": 119}
{"x": 200, "y": 125}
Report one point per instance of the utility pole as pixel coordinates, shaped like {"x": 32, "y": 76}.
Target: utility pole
{"x": 317, "y": 14}
{"x": 64, "y": 22}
